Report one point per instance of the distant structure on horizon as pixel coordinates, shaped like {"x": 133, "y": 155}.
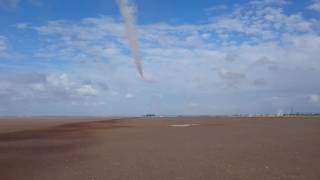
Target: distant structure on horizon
{"x": 281, "y": 114}
{"x": 150, "y": 115}
{"x": 277, "y": 115}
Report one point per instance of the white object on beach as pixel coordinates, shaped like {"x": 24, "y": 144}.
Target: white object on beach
{"x": 183, "y": 125}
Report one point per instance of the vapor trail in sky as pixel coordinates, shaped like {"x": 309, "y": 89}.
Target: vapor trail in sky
{"x": 128, "y": 10}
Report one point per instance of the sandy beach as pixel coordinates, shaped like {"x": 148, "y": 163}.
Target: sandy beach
{"x": 160, "y": 148}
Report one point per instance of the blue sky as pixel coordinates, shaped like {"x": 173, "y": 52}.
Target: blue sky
{"x": 200, "y": 57}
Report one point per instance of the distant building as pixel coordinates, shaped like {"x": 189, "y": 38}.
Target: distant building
{"x": 150, "y": 115}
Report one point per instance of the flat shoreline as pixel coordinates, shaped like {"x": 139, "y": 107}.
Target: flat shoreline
{"x": 160, "y": 148}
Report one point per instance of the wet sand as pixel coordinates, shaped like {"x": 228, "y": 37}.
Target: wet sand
{"x": 151, "y": 148}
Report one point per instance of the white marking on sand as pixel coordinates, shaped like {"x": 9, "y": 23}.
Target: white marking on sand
{"x": 183, "y": 125}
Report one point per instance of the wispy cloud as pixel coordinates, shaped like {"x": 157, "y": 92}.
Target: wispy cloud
{"x": 269, "y": 2}
{"x": 258, "y": 47}
{"x": 9, "y": 3}
{"x": 14, "y": 4}
{"x": 216, "y": 8}
{"x": 3, "y": 47}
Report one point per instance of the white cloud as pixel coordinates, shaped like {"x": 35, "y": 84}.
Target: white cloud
{"x": 38, "y": 87}
{"x": 269, "y": 2}
{"x": 61, "y": 81}
{"x": 92, "y": 39}
{"x": 55, "y": 87}
{"x": 22, "y": 25}
{"x": 315, "y": 5}
{"x": 5, "y": 87}
{"x": 256, "y": 48}
{"x": 129, "y": 95}
{"x": 176, "y": 54}
{"x": 315, "y": 98}
{"x": 87, "y": 90}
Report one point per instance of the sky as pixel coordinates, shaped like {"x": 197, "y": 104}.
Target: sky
{"x": 204, "y": 57}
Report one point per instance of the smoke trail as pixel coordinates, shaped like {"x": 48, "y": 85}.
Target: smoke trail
{"x": 128, "y": 11}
